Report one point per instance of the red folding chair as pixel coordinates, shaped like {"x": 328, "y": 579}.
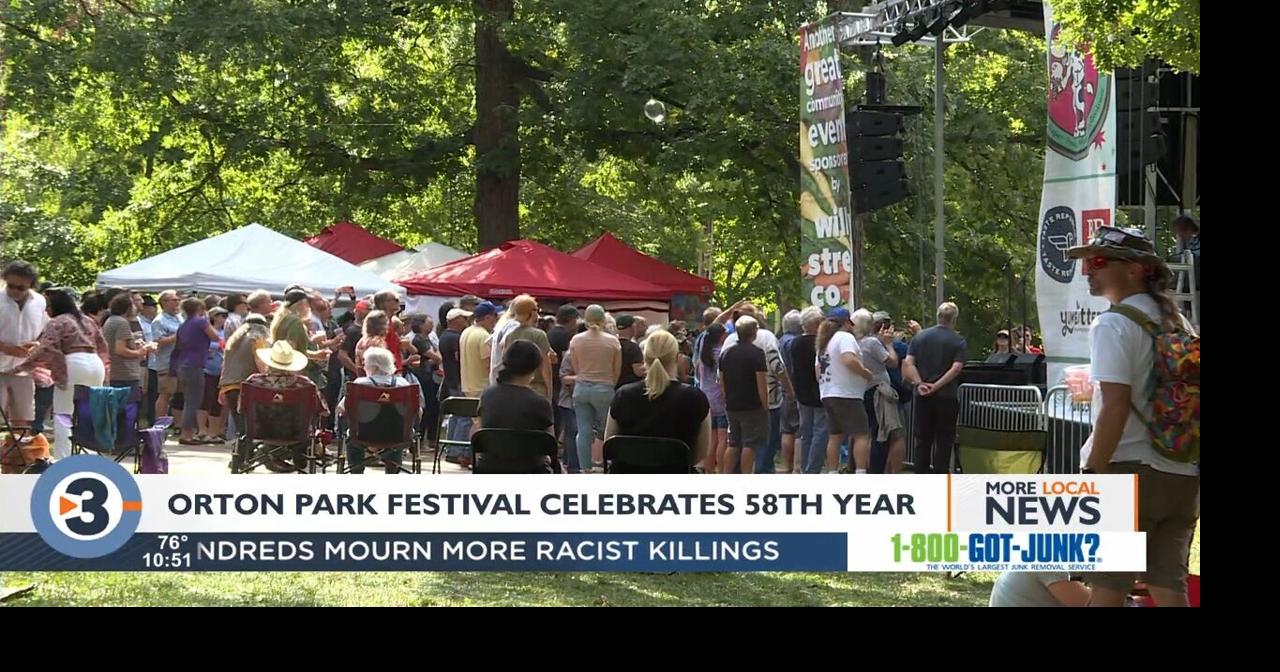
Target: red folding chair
{"x": 279, "y": 424}
{"x": 382, "y": 420}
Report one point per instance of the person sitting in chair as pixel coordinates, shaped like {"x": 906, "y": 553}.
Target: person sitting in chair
{"x": 512, "y": 403}
{"x": 283, "y": 367}
{"x": 380, "y": 371}
{"x": 660, "y": 406}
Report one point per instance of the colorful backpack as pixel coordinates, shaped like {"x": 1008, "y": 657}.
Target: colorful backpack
{"x": 1174, "y": 424}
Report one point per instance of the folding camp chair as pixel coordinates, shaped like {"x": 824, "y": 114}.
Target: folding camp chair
{"x": 646, "y": 455}
{"x": 515, "y": 451}
{"x": 84, "y": 432}
{"x": 19, "y": 448}
{"x": 279, "y": 424}
{"x": 382, "y": 420}
{"x": 462, "y": 407}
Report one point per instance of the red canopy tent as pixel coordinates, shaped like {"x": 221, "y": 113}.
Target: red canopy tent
{"x": 525, "y": 266}
{"x": 610, "y": 252}
{"x": 351, "y": 243}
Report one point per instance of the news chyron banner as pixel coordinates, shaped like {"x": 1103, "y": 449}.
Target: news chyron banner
{"x": 87, "y": 513}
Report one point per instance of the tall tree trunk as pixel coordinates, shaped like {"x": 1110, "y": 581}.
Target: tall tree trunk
{"x": 497, "y": 205}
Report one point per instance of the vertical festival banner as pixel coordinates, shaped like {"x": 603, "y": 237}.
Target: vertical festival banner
{"x": 825, "y": 222}
{"x": 1078, "y": 196}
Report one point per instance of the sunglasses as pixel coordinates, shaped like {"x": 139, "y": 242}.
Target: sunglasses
{"x": 1096, "y": 263}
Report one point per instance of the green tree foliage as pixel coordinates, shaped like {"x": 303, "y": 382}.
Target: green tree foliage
{"x": 1124, "y": 33}
{"x": 134, "y": 127}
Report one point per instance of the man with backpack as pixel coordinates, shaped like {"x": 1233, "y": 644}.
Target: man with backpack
{"x": 1145, "y": 362}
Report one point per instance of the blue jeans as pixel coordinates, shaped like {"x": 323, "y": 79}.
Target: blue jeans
{"x": 591, "y": 406}
{"x": 458, "y": 430}
{"x": 569, "y": 423}
{"x": 355, "y": 458}
{"x": 813, "y": 438}
{"x": 764, "y": 458}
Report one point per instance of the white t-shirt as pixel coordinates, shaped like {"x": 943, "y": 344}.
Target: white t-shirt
{"x": 495, "y": 347}
{"x": 764, "y": 340}
{"x": 20, "y": 325}
{"x": 1122, "y": 352}
{"x": 835, "y": 380}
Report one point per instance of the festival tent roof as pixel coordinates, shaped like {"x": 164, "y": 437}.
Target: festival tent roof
{"x": 409, "y": 262}
{"x": 352, "y": 243}
{"x": 608, "y": 251}
{"x": 241, "y": 261}
{"x": 525, "y": 266}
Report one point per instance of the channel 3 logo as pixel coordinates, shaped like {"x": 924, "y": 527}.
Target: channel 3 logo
{"x": 86, "y": 506}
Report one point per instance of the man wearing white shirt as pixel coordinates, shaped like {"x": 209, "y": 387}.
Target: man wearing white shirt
{"x": 1122, "y": 267}
{"x": 22, "y": 318}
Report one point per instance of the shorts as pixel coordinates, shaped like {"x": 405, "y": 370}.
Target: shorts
{"x": 1168, "y": 509}
{"x": 168, "y": 384}
{"x": 846, "y": 416}
{"x": 719, "y": 422}
{"x": 790, "y": 418}
{"x": 749, "y": 429}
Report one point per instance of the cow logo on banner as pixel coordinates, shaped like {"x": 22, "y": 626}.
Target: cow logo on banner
{"x": 1078, "y": 196}
{"x": 1057, "y": 235}
{"x": 1078, "y": 96}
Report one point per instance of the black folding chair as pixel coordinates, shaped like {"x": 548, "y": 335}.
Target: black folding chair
{"x": 515, "y": 451}
{"x": 646, "y": 455}
{"x": 462, "y": 407}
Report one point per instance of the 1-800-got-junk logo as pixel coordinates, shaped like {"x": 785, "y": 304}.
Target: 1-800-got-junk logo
{"x": 86, "y": 506}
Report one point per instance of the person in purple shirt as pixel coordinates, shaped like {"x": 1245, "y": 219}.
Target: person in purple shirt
{"x": 187, "y": 363}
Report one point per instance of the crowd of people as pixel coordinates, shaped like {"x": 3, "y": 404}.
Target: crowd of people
{"x": 743, "y": 399}
{"x": 739, "y": 397}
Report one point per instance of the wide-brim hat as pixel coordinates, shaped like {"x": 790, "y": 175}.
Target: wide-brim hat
{"x": 282, "y": 356}
{"x": 1112, "y": 242}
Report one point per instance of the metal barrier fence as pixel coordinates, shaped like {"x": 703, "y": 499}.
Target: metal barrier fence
{"x": 1066, "y": 422}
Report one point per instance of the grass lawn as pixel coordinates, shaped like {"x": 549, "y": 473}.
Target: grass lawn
{"x": 480, "y": 588}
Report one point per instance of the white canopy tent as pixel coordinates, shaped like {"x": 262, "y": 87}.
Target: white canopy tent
{"x": 408, "y": 262}
{"x": 241, "y": 261}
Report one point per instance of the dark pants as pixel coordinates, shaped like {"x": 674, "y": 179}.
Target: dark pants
{"x": 429, "y": 425}
{"x": 332, "y": 392}
{"x": 935, "y": 429}
{"x": 153, "y": 393}
{"x": 765, "y": 456}
{"x": 879, "y": 449}
{"x": 44, "y": 404}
